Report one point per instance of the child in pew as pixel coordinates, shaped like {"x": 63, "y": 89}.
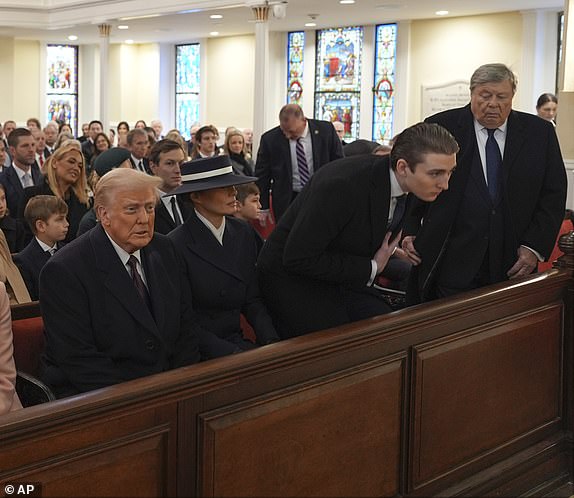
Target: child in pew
{"x": 249, "y": 207}
{"x": 46, "y": 215}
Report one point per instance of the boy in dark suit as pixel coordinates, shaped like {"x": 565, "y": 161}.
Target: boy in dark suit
{"x": 46, "y": 215}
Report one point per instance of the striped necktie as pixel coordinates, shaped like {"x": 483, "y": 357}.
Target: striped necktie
{"x": 302, "y": 162}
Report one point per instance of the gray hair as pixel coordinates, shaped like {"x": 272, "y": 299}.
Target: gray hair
{"x": 133, "y": 133}
{"x": 493, "y": 73}
{"x": 123, "y": 179}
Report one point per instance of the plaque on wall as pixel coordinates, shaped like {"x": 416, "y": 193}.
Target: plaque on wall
{"x": 439, "y": 98}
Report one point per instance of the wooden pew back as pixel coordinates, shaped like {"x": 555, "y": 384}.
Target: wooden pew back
{"x": 466, "y": 396}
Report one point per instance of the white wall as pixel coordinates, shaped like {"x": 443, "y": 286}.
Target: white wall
{"x": 445, "y": 50}
{"x": 229, "y": 81}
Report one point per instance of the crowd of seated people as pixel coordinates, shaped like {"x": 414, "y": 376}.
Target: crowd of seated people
{"x": 88, "y": 252}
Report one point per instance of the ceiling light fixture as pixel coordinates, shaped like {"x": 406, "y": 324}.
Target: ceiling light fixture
{"x": 129, "y": 42}
{"x": 310, "y": 24}
{"x": 72, "y": 37}
{"x": 216, "y": 16}
{"x": 123, "y": 26}
{"x": 214, "y": 33}
{"x": 346, "y": 2}
{"x": 441, "y": 12}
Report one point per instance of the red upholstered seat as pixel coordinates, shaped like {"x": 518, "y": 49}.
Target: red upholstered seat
{"x": 28, "y": 344}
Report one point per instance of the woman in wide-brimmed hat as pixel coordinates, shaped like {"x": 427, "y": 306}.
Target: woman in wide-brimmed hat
{"x": 220, "y": 253}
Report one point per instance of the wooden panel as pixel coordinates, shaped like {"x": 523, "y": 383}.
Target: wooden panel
{"x": 123, "y": 455}
{"x": 477, "y": 391}
{"x": 309, "y": 440}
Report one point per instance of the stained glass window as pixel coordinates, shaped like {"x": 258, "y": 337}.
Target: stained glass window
{"x": 384, "y": 87}
{"x": 338, "y": 77}
{"x": 295, "y": 48}
{"x": 62, "y": 84}
{"x": 187, "y": 87}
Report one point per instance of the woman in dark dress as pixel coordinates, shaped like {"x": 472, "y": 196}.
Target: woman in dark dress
{"x": 220, "y": 253}
{"x": 65, "y": 178}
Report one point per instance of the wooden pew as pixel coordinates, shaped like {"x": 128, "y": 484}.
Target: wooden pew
{"x": 464, "y": 397}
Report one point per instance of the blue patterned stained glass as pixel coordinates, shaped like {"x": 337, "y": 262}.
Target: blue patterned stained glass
{"x": 187, "y": 87}
{"x": 295, "y": 50}
{"x": 338, "y": 77}
{"x": 62, "y": 84}
{"x": 384, "y": 87}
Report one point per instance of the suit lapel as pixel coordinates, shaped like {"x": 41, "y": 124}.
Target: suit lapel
{"x": 515, "y": 137}
{"x": 15, "y": 181}
{"x": 162, "y": 213}
{"x": 202, "y": 243}
{"x": 118, "y": 281}
{"x": 379, "y": 198}
{"x": 155, "y": 274}
{"x": 316, "y": 143}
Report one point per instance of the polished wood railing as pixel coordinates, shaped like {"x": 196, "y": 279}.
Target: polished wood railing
{"x": 468, "y": 396}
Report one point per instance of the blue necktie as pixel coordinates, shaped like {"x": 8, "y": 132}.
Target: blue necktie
{"x": 493, "y": 164}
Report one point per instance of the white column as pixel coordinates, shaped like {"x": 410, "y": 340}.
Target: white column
{"x": 104, "y": 65}
{"x": 261, "y": 13}
{"x": 402, "y": 78}
{"x": 537, "y": 73}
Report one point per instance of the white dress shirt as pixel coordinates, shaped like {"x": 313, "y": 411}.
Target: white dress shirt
{"x": 125, "y": 256}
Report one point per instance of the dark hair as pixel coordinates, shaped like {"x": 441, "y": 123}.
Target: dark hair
{"x": 545, "y": 98}
{"x": 102, "y": 134}
{"x": 125, "y": 123}
{"x": 36, "y": 121}
{"x": 245, "y": 190}
{"x": 14, "y": 137}
{"x": 140, "y": 121}
{"x": 197, "y": 138}
{"x": 162, "y": 147}
{"x": 60, "y": 128}
{"x": 41, "y": 207}
{"x": 95, "y": 121}
{"x": 422, "y": 138}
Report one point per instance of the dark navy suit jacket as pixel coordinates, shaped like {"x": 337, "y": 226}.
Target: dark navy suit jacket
{"x": 30, "y": 262}
{"x": 98, "y": 329}
{"x": 274, "y": 169}
{"x": 223, "y": 283}
{"x": 13, "y": 188}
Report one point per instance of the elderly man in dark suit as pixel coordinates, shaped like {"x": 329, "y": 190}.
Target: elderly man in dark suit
{"x": 317, "y": 267}
{"x": 24, "y": 171}
{"x": 165, "y": 160}
{"x": 290, "y": 154}
{"x": 506, "y": 202}
{"x": 115, "y": 301}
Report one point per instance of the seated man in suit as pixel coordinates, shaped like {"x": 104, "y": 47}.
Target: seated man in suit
{"x": 115, "y": 302}
{"x": 166, "y": 158}
{"x": 317, "y": 267}
{"x": 88, "y": 147}
{"x": 24, "y": 171}
{"x": 46, "y": 216}
{"x": 138, "y": 145}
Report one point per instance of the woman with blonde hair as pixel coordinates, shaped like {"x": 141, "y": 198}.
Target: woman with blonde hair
{"x": 65, "y": 178}
{"x": 234, "y": 147}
